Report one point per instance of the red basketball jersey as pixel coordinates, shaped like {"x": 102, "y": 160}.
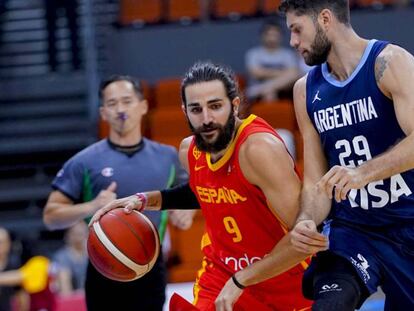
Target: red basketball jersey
{"x": 241, "y": 228}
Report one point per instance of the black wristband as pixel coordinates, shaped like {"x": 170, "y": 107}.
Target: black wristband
{"x": 179, "y": 197}
{"x": 237, "y": 282}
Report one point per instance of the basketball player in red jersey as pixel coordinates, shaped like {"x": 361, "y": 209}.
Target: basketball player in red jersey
{"x": 245, "y": 182}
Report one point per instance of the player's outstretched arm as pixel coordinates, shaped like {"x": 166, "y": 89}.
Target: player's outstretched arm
{"x": 315, "y": 205}
{"x": 178, "y": 197}
{"x": 144, "y": 200}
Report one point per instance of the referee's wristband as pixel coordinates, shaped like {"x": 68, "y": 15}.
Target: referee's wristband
{"x": 237, "y": 283}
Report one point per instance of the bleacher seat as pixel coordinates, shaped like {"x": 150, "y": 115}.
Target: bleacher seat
{"x": 367, "y": 3}
{"x": 142, "y": 11}
{"x": 186, "y": 251}
{"x": 148, "y": 93}
{"x": 270, "y": 6}
{"x": 167, "y": 93}
{"x": 183, "y": 10}
{"x": 279, "y": 114}
{"x": 234, "y": 8}
{"x": 241, "y": 80}
{"x": 168, "y": 126}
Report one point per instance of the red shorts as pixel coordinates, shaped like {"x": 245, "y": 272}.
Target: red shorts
{"x": 283, "y": 293}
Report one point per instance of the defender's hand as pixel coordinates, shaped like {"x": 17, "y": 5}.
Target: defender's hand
{"x": 341, "y": 180}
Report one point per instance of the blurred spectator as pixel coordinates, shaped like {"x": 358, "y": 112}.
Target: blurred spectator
{"x": 73, "y": 257}
{"x": 272, "y": 68}
{"x": 53, "y": 7}
{"x": 37, "y": 277}
{"x": 37, "y": 281}
{"x": 7, "y": 262}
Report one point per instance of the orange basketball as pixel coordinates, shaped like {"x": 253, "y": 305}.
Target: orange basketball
{"x": 123, "y": 247}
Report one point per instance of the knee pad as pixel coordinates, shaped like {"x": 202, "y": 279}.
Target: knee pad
{"x": 337, "y": 294}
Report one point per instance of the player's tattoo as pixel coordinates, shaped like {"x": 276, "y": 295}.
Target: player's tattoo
{"x": 380, "y": 66}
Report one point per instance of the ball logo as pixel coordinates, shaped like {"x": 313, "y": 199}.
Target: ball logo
{"x": 107, "y": 172}
{"x": 60, "y": 173}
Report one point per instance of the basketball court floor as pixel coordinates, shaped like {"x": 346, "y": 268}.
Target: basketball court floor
{"x": 374, "y": 303}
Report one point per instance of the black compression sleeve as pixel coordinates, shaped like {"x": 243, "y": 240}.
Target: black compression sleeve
{"x": 179, "y": 197}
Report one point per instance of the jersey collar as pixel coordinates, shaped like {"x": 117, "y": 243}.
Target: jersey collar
{"x": 216, "y": 166}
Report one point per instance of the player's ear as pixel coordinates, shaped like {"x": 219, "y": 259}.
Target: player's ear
{"x": 236, "y": 104}
{"x": 325, "y": 18}
{"x": 183, "y": 109}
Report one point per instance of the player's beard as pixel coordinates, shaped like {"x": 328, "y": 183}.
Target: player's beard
{"x": 319, "y": 50}
{"x": 225, "y": 135}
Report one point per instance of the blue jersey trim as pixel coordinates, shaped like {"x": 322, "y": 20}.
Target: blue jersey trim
{"x": 329, "y": 78}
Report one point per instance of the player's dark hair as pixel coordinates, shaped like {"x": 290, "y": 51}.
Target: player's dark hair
{"x": 312, "y": 8}
{"x": 207, "y": 71}
{"x": 115, "y": 78}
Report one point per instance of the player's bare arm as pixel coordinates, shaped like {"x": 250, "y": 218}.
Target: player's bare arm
{"x": 151, "y": 200}
{"x": 60, "y": 214}
{"x": 315, "y": 205}
{"x": 272, "y": 170}
{"x": 394, "y": 73}
{"x": 183, "y": 152}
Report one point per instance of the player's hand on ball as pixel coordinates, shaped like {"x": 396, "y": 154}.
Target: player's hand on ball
{"x": 136, "y": 201}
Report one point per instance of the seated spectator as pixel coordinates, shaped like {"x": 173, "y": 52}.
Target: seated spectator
{"x": 272, "y": 68}
{"x": 73, "y": 256}
{"x": 39, "y": 279}
{"x": 36, "y": 278}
